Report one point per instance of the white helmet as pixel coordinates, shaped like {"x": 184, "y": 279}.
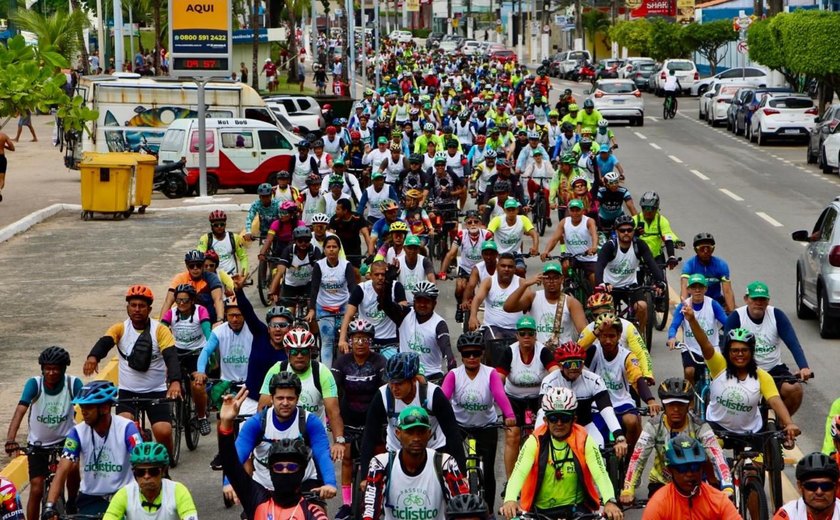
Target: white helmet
{"x": 611, "y": 178}
{"x": 559, "y": 399}
{"x": 320, "y": 218}
{"x": 603, "y": 123}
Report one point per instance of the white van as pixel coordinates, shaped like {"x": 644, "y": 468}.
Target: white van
{"x": 241, "y": 153}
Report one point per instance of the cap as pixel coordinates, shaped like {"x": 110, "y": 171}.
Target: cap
{"x": 511, "y": 203}
{"x": 675, "y": 400}
{"x": 489, "y": 245}
{"x": 552, "y": 267}
{"x": 411, "y": 240}
{"x": 576, "y": 203}
{"x": 526, "y": 323}
{"x": 758, "y": 289}
{"x": 338, "y": 162}
{"x": 376, "y": 175}
{"x": 382, "y": 140}
{"x": 697, "y": 278}
{"x": 413, "y": 416}
{"x": 537, "y": 152}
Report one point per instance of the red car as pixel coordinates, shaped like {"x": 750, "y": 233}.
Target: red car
{"x": 503, "y": 56}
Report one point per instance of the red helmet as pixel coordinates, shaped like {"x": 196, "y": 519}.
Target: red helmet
{"x": 140, "y": 291}
{"x": 217, "y": 215}
{"x": 480, "y": 139}
{"x": 355, "y": 135}
{"x": 569, "y": 350}
{"x": 212, "y": 255}
{"x": 327, "y": 106}
{"x": 331, "y": 130}
{"x": 599, "y": 299}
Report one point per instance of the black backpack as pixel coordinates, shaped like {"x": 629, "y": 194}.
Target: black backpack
{"x": 230, "y": 237}
{"x": 316, "y": 374}
{"x": 302, "y": 416}
{"x": 389, "y": 399}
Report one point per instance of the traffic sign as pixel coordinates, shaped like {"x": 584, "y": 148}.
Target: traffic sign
{"x": 742, "y": 23}
{"x": 743, "y": 48}
{"x": 200, "y": 38}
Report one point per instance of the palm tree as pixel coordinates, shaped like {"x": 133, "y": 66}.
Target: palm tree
{"x": 60, "y": 30}
{"x": 158, "y": 27}
{"x": 594, "y": 22}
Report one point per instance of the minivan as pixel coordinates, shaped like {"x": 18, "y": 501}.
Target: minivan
{"x": 241, "y": 153}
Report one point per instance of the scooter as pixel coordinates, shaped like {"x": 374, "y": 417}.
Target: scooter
{"x": 171, "y": 179}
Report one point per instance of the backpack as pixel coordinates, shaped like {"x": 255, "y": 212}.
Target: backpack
{"x": 302, "y": 417}
{"x": 140, "y": 358}
{"x": 438, "y": 462}
{"x": 230, "y": 236}
{"x": 68, "y": 383}
{"x": 316, "y": 373}
{"x": 389, "y": 399}
{"x": 614, "y": 242}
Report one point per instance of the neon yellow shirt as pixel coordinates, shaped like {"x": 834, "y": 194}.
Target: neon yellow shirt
{"x": 589, "y": 120}
{"x": 183, "y": 503}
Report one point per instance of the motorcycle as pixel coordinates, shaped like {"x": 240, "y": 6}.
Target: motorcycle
{"x": 585, "y": 72}
{"x": 171, "y": 179}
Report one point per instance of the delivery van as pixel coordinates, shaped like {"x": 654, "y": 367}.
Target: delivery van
{"x": 241, "y": 153}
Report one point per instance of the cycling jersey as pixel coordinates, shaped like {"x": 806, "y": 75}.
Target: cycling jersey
{"x": 774, "y": 328}
{"x": 311, "y": 205}
{"x": 10, "y": 507}
{"x": 234, "y": 352}
{"x": 103, "y": 460}
{"x": 124, "y": 336}
{"x": 618, "y": 374}
{"x": 311, "y": 399}
{"x": 51, "y": 412}
{"x": 611, "y": 203}
{"x": 364, "y": 298}
{"x": 797, "y": 510}
{"x": 173, "y": 503}
{"x": 509, "y": 236}
{"x": 656, "y": 232}
{"x": 592, "y": 395}
{"x": 267, "y": 214}
{"x": 359, "y": 384}
{"x": 544, "y": 315}
{"x": 230, "y": 248}
{"x": 470, "y": 247}
{"x": 706, "y": 504}
{"x": 299, "y": 270}
{"x": 409, "y": 277}
{"x": 589, "y": 120}
{"x": 494, "y": 315}
{"x": 711, "y": 317}
{"x": 716, "y": 272}
{"x": 473, "y": 398}
{"x": 190, "y": 331}
{"x": 523, "y": 378}
{"x": 482, "y": 175}
{"x": 733, "y": 403}
{"x": 417, "y": 220}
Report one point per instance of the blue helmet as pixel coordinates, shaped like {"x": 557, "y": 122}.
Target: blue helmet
{"x": 403, "y": 366}
{"x": 97, "y": 392}
{"x": 684, "y": 450}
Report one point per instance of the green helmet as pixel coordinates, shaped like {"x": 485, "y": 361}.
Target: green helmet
{"x": 568, "y": 158}
{"x": 742, "y": 335}
{"x": 149, "y": 453}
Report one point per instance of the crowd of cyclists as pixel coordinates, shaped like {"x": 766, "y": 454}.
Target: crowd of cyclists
{"x": 352, "y": 364}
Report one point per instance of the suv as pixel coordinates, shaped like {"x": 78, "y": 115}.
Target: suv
{"x": 818, "y": 272}
{"x": 825, "y": 126}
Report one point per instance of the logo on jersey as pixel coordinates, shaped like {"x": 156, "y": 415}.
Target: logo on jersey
{"x": 545, "y": 324}
{"x": 413, "y": 504}
{"x": 310, "y": 400}
{"x": 734, "y": 399}
{"x": 235, "y": 356}
{"x": 103, "y": 463}
{"x": 470, "y": 400}
{"x": 763, "y": 348}
{"x": 54, "y": 414}
{"x": 622, "y": 268}
{"x": 612, "y": 384}
{"x": 417, "y": 344}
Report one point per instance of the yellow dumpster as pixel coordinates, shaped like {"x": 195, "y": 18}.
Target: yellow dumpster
{"x": 107, "y": 184}
{"x": 144, "y": 178}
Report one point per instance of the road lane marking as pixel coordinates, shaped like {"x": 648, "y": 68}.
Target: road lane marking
{"x": 675, "y": 159}
{"x": 731, "y": 195}
{"x": 700, "y": 175}
{"x": 640, "y": 136}
{"x": 773, "y": 222}
{"x": 654, "y": 145}
{"x": 651, "y": 118}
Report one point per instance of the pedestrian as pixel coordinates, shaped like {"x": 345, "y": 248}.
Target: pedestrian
{"x": 270, "y": 74}
{"x": 243, "y": 73}
{"x": 25, "y": 119}
{"x": 301, "y": 71}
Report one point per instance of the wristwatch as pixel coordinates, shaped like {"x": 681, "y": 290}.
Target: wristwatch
{"x": 340, "y": 440}
{"x": 621, "y": 438}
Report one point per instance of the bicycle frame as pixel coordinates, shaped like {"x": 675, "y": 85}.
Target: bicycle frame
{"x": 701, "y": 384}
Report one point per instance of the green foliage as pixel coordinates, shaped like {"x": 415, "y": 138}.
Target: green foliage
{"x": 421, "y": 33}
{"x": 707, "y": 39}
{"x": 58, "y": 31}
{"x": 666, "y": 41}
{"x": 633, "y": 34}
{"x": 595, "y": 22}
{"x": 77, "y": 117}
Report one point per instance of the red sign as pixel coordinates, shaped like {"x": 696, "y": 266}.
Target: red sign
{"x": 655, "y": 8}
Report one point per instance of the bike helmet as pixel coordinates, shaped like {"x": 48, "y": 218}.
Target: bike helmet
{"x": 335, "y": 122}
{"x": 264, "y": 189}
{"x": 193, "y": 256}
{"x": 303, "y": 145}
{"x": 302, "y": 232}
{"x": 603, "y": 123}
{"x": 567, "y": 127}
{"x": 559, "y": 399}
{"x": 650, "y": 199}
{"x": 530, "y": 117}
{"x": 320, "y": 218}
{"x": 504, "y": 125}
{"x": 361, "y": 326}
{"x": 395, "y": 147}
{"x": 285, "y": 380}
{"x": 610, "y": 318}
{"x": 299, "y": 337}
{"x": 703, "y": 238}
{"x": 213, "y": 256}
{"x": 490, "y": 154}
{"x": 573, "y": 107}
{"x": 278, "y": 311}
{"x": 185, "y": 288}
{"x": 588, "y": 103}
{"x": 463, "y": 116}
{"x": 451, "y": 143}
{"x": 403, "y": 366}
{"x": 684, "y": 450}
{"x": 97, "y": 392}
{"x": 313, "y": 180}
{"x": 429, "y": 127}
{"x": 288, "y": 206}
{"x": 218, "y": 215}
{"x": 675, "y": 389}
{"x": 470, "y": 339}
{"x": 54, "y": 356}
{"x": 554, "y": 113}
{"x": 741, "y": 335}
{"x": 415, "y": 158}
{"x": 585, "y": 142}
{"x": 568, "y": 158}
{"x": 425, "y": 289}
{"x": 289, "y": 450}
{"x": 283, "y": 174}
{"x": 440, "y": 158}
{"x": 150, "y": 452}
{"x": 471, "y": 506}
{"x": 447, "y": 130}
{"x": 612, "y": 178}
{"x": 230, "y": 301}
{"x": 398, "y": 226}
{"x": 599, "y": 299}
{"x": 501, "y": 186}
{"x": 388, "y": 205}
{"x": 533, "y": 135}
{"x": 480, "y": 139}
{"x": 576, "y": 180}
{"x": 817, "y": 465}
{"x": 835, "y": 427}
{"x": 624, "y": 220}
{"x": 140, "y": 291}
{"x": 354, "y": 135}
{"x": 569, "y": 350}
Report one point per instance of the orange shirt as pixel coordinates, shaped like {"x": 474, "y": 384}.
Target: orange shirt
{"x": 707, "y": 504}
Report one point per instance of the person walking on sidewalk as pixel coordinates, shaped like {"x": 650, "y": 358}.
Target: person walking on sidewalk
{"x": 26, "y": 120}
{"x": 5, "y": 144}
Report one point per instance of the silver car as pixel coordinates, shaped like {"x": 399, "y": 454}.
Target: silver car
{"x": 818, "y": 272}
{"x": 618, "y": 99}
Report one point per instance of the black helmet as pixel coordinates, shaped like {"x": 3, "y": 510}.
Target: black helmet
{"x": 650, "y": 199}
{"x": 283, "y": 174}
{"x": 302, "y": 232}
{"x": 415, "y": 158}
{"x": 278, "y": 311}
{"x": 501, "y": 186}
{"x": 289, "y": 450}
{"x": 284, "y": 380}
{"x": 675, "y": 388}
{"x": 185, "y": 288}
{"x": 471, "y": 339}
{"x": 816, "y": 465}
{"x": 193, "y": 256}
{"x": 623, "y": 220}
{"x": 472, "y": 506}
{"x": 54, "y": 356}
{"x": 588, "y": 103}
{"x": 567, "y": 127}
{"x": 699, "y": 238}
{"x": 317, "y": 143}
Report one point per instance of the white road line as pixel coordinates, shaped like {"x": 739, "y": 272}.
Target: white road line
{"x": 731, "y": 195}
{"x": 654, "y": 145}
{"x": 700, "y": 175}
{"x": 675, "y": 159}
{"x": 652, "y": 118}
{"x": 773, "y": 222}
{"x": 640, "y": 136}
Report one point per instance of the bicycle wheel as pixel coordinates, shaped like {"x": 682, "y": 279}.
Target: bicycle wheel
{"x": 541, "y": 215}
{"x": 191, "y": 433}
{"x": 666, "y": 113}
{"x": 662, "y": 304}
{"x": 60, "y": 506}
{"x": 177, "y": 428}
{"x": 357, "y": 501}
{"x": 774, "y": 463}
{"x": 614, "y": 472}
{"x": 262, "y": 281}
{"x": 474, "y": 480}
{"x": 749, "y": 489}
{"x": 651, "y": 316}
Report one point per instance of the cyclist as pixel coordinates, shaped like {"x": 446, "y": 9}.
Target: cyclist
{"x": 190, "y": 326}
{"x": 611, "y": 199}
{"x": 496, "y": 289}
{"x": 687, "y": 496}
{"x": 444, "y": 187}
{"x": 565, "y": 100}
{"x": 579, "y": 234}
{"x": 559, "y": 316}
{"x": 101, "y": 446}
{"x": 560, "y": 470}
{"x": 473, "y": 389}
{"x": 539, "y": 170}
{"x": 525, "y": 156}
{"x": 302, "y": 166}
{"x": 49, "y": 398}
{"x": 480, "y": 271}
{"x": 670, "y": 88}
{"x": 523, "y": 365}
{"x": 572, "y": 116}
{"x": 284, "y": 419}
{"x": 405, "y": 387}
{"x": 565, "y": 141}
{"x": 352, "y": 230}
{"x": 311, "y": 200}
{"x": 589, "y": 118}
{"x": 655, "y": 230}
{"x": 467, "y": 246}
{"x": 412, "y": 481}
{"x": 151, "y": 494}
{"x": 494, "y": 206}
{"x": 509, "y": 231}
{"x": 676, "y": 395}
{"x": 415, "y": 217}
{"x": 233, "y": 257}
{"x": 10, "y": 507}
{"x": 350, "y": 187}
{"x": 482, "y": 172}
{"x": 506, "y": 179}
{"x": 413, "y": 267}
{"x": 267, "y": 208}
{"x": 467, "y": 507}
{"x": 771, "y": 326}
{"x": 211, "y": 265}
{"x": 560, "y": 189}
{"x": 382, "y": 226}
{"x": 711, "y": 316}
{"x": 148, "y": 362}
{"x": 607, "y": 162}
{"x": 290, "y": 463}
{"x": 816, "y": 478}
{"x": 393, "y": 244}
{"x": 285, "y": 192}
{"x": 281, "y": 231}
{"x": 209, "y": 290}
{"x": 295, "y": 266}
{"x": 714, "y": 268}
{"x": 604, "y": 136}
{"x": 375, "y": 194}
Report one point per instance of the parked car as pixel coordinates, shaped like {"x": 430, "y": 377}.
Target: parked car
{"x": 718, "y": 105}
{"x": 686, "y": 72}
{"x": 618, "y": 99}
{"x": 640, "y": 73}
{"x": 732, "y": 110}
{"x": 433, "y": 39}
{"x": 450, "y": 43}
{"x": 303, "y": 111}
{"x": 483, "y": 48}
{"x": 825, "y": 126}
{"x": 624, "y": 71}
{"x": 746, "y": 75}
{"x": 782, "y": 116}
{"x": 818, "y": 272}
{"x": 570, "y": 60}
{"x": 469, "y": 47}
{"x": 503, "y": 55}
{"x": 607, "y": 69}
{"x": 401, "y": 36}
{"x": 703, "y": 102}
{"x": 745, "y": 110}
{"x": 829, "y": 154}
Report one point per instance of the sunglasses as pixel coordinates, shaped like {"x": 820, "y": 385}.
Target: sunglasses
{"x": 813, "y": 485}
{"x": 299, "y": 351}
{"x": 471, "y": 354}
{"x": 198, "y": 265}
{"x": 704, "y": 248}
{"x": 526, "y": 333}
{"x": 280, "y": 467}
{"x": 361, "y": 341}
{"x": 414, "y": 420}
{"x": 625, "y": 230}
{"x": 279, "y": 325}
{"x": 572, "y": 364}
{"x": 219, "y": 224}
{"x": 564, "y": 418}
{"x": 152, "y": 472}
{"x": 183, "y": 300}
{"x": 687, "y": 468}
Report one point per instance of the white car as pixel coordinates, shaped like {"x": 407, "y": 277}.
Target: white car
{"x": 400, "y": 36}
{"x": 624, "y": 70}
{"x": 685, "y": 70}
{"x": 829, "y": 158}
{"x": 618, "y": 99}
{"x": 470, "y": 48}
{"x": 718, "y": 104}
{"x": 782, "y": 116}
{"x": 569, "y": 61}
{"x": 750, "y": 76}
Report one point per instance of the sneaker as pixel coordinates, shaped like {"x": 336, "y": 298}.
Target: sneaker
{"x": 459, "y": 314}
{"x": 204, "y": 426}
{"x": 216, "y": 463}
{"x": 344, "y": 512}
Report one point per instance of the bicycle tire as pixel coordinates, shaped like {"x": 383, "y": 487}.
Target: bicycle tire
{"x": 542, "y": 215}
{"x": 774, "y": 464}
{"x": 262, "y": 282}
{"x": 59, "y": 505}
{"x": 474, "y": 480}
{"x": 357, "y": 497}
{"x": 665, "y": 112}
{"x": 177, "y": 427}
{"x": 191, "y": 433}
{"x": 661, "y": 311}
{"x": 651, "y": 317}
{"x": 614, "y": 472}
{"x": 752, "y": 486}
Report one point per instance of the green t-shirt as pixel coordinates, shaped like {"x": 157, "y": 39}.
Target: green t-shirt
{"x": 310, "y": 399}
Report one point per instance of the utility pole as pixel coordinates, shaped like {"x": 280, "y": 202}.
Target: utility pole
{"x": 578, "y": 20}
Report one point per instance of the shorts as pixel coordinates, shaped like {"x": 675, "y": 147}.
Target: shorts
{"x": 290, "y": 291}
{"x": 25, "y": 120}
{"x": 301, "y": 77}
{"x": 3, "y": 163}
{"x": 625, "y": 409}
{"x": 519, "y": 261}
{"x": 520, "y": 405}
{"x": 39, "y": 462}
{"x": 781, "y": 372}
{"x": 161, "y": 412}
{"x": 687, "y": 362}
{"x": 462, "y": 273}
{"x": 628, "y": 296}
{"x": 92, "y": 504}
{"x": 355, "y": 259}
{"x": 188, "y": 360}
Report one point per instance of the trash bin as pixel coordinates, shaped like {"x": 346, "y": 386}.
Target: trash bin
{"x": 144, "y": 178}
{"x": 107, "y": 182}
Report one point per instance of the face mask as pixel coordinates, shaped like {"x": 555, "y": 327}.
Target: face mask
{"x": 283, "y": 484}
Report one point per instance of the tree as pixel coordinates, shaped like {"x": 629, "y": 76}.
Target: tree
{"x": 59, "y": 31}
{"x": 765, "y": 48}
{"x": 634, "y": 34}
{"x": 595, "y": 22}
{"x": 666, "y": 41}
{"x": 294, "y": 11}
{"x": 707, "y": 39}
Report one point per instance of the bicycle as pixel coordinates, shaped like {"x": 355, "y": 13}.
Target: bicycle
{"x": 539, "y": 208}
{"x": 575, "y": 279}
{"x": 445, "y": 223}
{"x": 54, "y": 453}
{"x": 475, "y": 464}
{"x": 669, "y": 107}
{"x": 701, "y": 384}
{"x": 186, "y": 410}
{"x": 140, "y": 420}
{"x": 353, "y": 435}
{"x": 658, "y": 311}
{"x": 622, "y": 310}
